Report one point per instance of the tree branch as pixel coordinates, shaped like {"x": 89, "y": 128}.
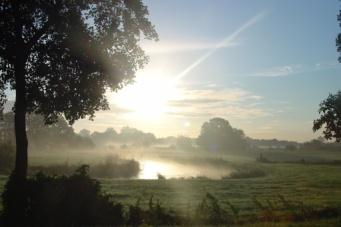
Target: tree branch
{"x": 37, "y": 35}
{"x": 4, "y": 54}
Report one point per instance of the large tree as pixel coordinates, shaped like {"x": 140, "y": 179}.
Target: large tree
{"x": 58, "y": 136}
{"x": 330, "y": 108}
{"x": 218, "y": 135}
{"x": 330, "y": 111}
{"x": 61, "y": 56}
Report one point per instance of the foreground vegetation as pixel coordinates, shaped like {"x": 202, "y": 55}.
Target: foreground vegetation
{"x": 297, "y": 187}
{"x": 289, "y": 193}
{"x": 300, "y": 193}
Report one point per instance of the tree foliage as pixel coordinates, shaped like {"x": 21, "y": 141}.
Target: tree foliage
{"x": 73, "y": 51}
{"x": 338, "y": 38}
{"x": 61, "y": 57}
{"x": 74, "y": 200}
{"x": 57, "y": 136}
{"x": 330, "y": 108}
{"x": 330, "y": 111}
{"x": 218, "y": 135}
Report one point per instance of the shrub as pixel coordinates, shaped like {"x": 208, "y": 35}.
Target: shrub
{"x": 61, "y": 201}
{"x": 114, "y": 167}
{"x": 209, "y": 212}
{"x": 57, "y": 169}
{"x": 161, "y": 177}
{"x": 156, "y": 215}
{"x": 136, "y": 216}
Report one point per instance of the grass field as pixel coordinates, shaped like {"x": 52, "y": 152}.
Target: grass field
{"x": 316, "y": 185}
{"x": 313, "y": 185}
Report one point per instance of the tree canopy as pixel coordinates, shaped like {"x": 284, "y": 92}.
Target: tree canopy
{"x": 338, "y": 38}
{"x": 218, "y": 135}
{"x": 61, "y": 57}
{"x": 73, "y": 51}
{"x": 330, "y": 108}
{"x": 58, "y": 136}
{"x": 330, "y": 111}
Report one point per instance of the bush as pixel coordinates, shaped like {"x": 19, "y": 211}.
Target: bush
{"x": 156, "y": 215}
{"x": 60, "y": 201}
{"x": 7, "y": 152}
{"x": 112, "y": 167}
{"x": 209, "y": 212}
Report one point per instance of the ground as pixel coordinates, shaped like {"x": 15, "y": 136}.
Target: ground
{"x": 316, "y": 185}
{"x": 312, "y": 185}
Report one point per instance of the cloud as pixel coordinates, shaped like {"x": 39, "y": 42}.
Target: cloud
{"x": 326, "y": 65}
{"x": 279, "y": 71}
{"x": 170, "y": 47}
{"x": 288, "y": 70}
{"x": 206, "y": 103}
{"x": 165, "y": 46}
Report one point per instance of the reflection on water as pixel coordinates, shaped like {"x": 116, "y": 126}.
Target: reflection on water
{"x": 151, "y": 168}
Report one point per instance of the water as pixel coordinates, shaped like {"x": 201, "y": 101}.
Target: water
{"x": 150, "y": 169}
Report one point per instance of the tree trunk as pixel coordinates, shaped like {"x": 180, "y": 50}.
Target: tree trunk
{"x": 20, "y": 170}
{"x": 15, "y": 194}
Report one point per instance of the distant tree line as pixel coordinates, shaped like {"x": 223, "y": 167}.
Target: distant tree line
{"x": 127, "y": 135}
{"x": 216, "y": 135}
{"x": 58, "y": 136}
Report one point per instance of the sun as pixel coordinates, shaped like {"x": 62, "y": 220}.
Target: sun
{"x": 148, "y": 96}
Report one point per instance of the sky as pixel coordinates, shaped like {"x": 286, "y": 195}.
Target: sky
{"x": 262, "y": 65}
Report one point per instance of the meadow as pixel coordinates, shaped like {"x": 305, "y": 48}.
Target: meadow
{"x": 313, "y": 185}
{"x": 306, "y": 185}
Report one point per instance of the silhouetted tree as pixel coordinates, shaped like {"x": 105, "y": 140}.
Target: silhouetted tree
{"x": 53, "y": 137}
{"x": 218, "y": 135}
{"x": 61, "y": 57}
{"x": 136, "y": 137}
{"x": 184, "y": 143}
{"x": 314, "y": 144}
{"x": 109, "y": 135}
{"x": 330, "y": 111}
{"x": 330, "y": 108}
{"x": 85, "y": 133}
{"x": 338, "y": 38}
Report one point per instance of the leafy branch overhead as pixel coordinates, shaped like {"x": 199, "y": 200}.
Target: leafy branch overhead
{"x": 72, "y": 51}
{"x": 330, "y": 111}
{"x": 330, "y": 108}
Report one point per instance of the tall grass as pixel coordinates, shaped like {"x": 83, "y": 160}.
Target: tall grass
{"x": 111, "y": 167}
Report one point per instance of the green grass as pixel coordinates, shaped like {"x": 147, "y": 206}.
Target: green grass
{"x": 314, "y": 185}
{"x": 314, "y": 223}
